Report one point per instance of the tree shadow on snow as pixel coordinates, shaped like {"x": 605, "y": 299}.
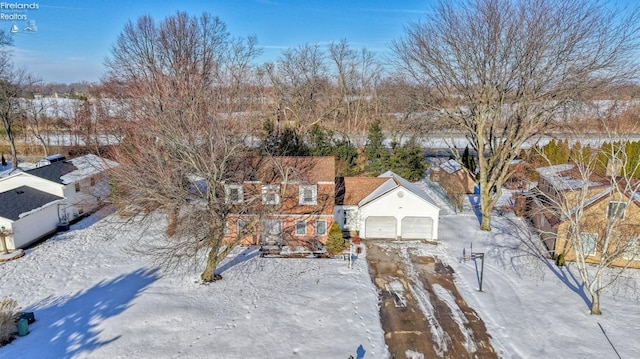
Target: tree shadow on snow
{"x": 474, "y": 200}
{"x": 248, "y": 253}
{"x": 68, "y": 326}
{"x": 527, "y": 249}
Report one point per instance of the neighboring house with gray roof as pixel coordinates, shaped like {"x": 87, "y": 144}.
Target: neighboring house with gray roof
{"x": 29, "y": 214}
{"x": 83, "y": 180}
{"x": 34, "y": 203}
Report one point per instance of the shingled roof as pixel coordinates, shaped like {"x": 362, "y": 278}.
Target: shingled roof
{"x": 351, "y": 190}
{"x": 23, "y": 199}
{"x": 73, "y": 170}
{"x": 54, "y": 171}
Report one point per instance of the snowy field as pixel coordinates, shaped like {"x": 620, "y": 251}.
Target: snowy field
{"x": 94, "y": 297}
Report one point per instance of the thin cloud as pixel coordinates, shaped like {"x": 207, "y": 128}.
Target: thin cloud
{"x": 404, "y": 11}
{"x": 276, "y": 47}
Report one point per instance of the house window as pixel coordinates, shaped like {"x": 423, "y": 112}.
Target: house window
{"x": 233, "y": 193}
{"x": 241, "y": 224}
{"x": 589, "y": 242}
{"x": 270, "y": 194}
{"x": 615, "y": 210}
{"x": 632, "y": 249}
{"x": 321, "y": 227}
{"x": 301, "y": 227}
{"x": 77, "y": 185}
{"x": 308, "y": 194}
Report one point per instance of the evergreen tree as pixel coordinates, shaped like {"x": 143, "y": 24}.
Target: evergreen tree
{"x": 632, "y": 153}
{"x": 335, "y": 241}
{"x": 268, "y": 137}
{"x": 550, "y": 151}
{"x": 290, "y": 143}
{"x": 468, "y": 161}
{"x": 285, "y": 142}
{"x": 346, "y": 157}
{"x": 602, "y": 159}
{"x": 375, "y": 151}
{"x": 321, "y": 144}
{"x": 408, "y": 160}
{"x": 562, "y": 152}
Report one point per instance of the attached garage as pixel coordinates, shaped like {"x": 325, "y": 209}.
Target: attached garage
{"x": 380, "y": 227}
{"x": 417, "y": 228}
{"x": 398, "y": 209}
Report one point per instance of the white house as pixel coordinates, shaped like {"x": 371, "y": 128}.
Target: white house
{"x": 387, "y": 206}
{"x": 36, "y": 202}
{"x": 28, "y": 214}
{"x": 82, "y": 181}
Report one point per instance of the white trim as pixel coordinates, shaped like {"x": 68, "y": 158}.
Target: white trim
{"x": 269, "y": 189}
{"x": 304, "y": 221}
{"x": 326, "y": 230}
{"x": 227, "y": 193}
{"x": 314, "y": 194}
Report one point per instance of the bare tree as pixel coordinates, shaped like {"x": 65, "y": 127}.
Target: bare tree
{"x": 37, "y": 122}
{"x": 598, "y": 215}
{"x": 300, "y": 80}
{"x": 358, "y": 76}
{"x": 502, "y": 71}
{"x": 13, "y": 85}
{"x": 183, "y": 143}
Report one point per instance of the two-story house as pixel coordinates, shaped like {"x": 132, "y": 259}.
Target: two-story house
{"x": 559, "y": 196}
{"x": 285, "y": 201}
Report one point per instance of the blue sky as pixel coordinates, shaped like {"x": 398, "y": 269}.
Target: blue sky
{"x": 73, "y": 37}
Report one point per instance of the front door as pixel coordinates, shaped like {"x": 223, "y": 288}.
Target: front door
{"x": 272, "y": 232}
{"x": 351, "y": 220}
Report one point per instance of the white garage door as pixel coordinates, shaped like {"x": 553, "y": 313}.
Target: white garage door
{"x": 417, "y": 228}
{"x": 380, "y": 227}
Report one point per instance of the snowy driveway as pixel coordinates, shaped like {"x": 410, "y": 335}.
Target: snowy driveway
{"x": 421, "y": 311}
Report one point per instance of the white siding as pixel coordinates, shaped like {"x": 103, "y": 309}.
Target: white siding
{"x": 34, "y": 226}
{"x": 351, "y": 224}
{"x": 381, "y": 227}
{"x": 400, "y": 203}
{"x": 417, "y": 227}
{"x": 24, "y": 179}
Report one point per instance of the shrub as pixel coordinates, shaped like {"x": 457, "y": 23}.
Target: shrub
{"x": 336, "y": 243}
{"x": 560, "y": 260}
{"x": 8, "y": 316}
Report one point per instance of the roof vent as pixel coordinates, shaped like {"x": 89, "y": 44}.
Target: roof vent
{"x": 20, "y": 192}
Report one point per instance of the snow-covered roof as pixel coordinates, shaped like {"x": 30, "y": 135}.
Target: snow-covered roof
{"x": 395, "y": 181}
{"x": 451, "y": 166}
{"x": 86, "y": 166}
{"x": 554, "y": 175}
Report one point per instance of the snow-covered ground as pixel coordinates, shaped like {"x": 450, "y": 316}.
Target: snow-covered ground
{"x": 95, "y": 297}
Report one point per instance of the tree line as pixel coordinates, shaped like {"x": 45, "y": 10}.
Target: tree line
{"x": 561, "y": 152}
